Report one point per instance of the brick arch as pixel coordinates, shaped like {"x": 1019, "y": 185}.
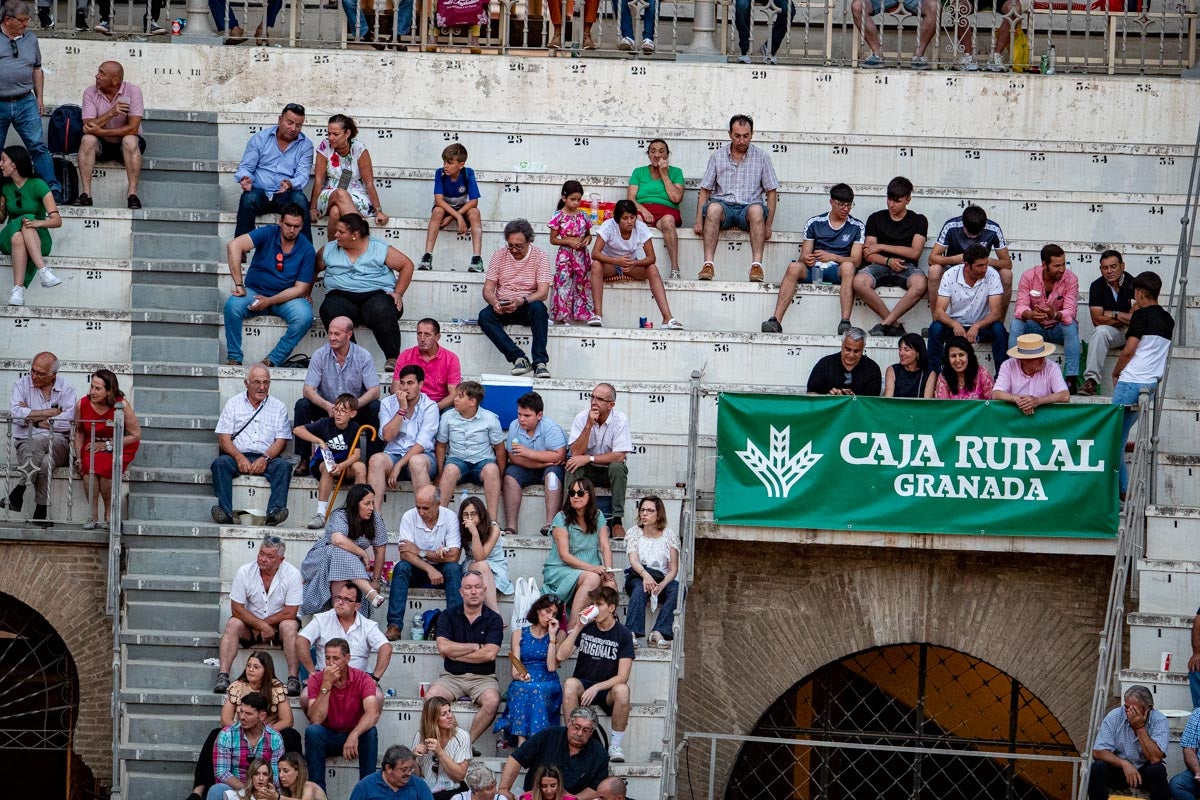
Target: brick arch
{"x": 65, "y": 584}
{"x": 762, "y": 616}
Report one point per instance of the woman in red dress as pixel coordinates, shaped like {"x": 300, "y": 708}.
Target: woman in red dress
{"x": 94, "y": 440}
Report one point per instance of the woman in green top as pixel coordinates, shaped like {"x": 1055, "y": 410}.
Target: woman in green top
{"x": 658, "y": 190}
{"x": 30, "y": 209}
{"x": 581, "y": 558}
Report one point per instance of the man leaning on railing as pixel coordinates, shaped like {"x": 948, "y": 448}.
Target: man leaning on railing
{"x": 43, "y": 408}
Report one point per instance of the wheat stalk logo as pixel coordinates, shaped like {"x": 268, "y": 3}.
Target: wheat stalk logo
{"x": 779, "y": 472}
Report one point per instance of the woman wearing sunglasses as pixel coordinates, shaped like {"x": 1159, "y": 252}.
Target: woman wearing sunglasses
{"x": 581, "y": 558}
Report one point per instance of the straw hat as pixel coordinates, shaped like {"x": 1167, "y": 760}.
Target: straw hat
{"x": 1031, "y": 345}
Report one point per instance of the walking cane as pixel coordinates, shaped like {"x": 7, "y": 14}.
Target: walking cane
{"x": 342, "y": 477}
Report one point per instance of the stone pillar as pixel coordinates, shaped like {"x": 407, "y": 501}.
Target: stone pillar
{"x": 704, "y": 46}
{"x": 199, "y": 28}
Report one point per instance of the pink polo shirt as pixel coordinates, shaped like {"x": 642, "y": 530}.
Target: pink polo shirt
{"x": 1064, "y": 298}
{"x": 1013, "y": 380}
{"x": 441, "y": 372}
{"x": 95, "y": 104}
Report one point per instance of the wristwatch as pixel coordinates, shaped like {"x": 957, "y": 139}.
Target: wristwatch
{"x": 591, "y": 459}
{"x": 421, "y": 554}
{"x": 324, "y": 690}
{"x": 108, "y": 445}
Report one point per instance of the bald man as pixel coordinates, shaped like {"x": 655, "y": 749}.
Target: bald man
{"x": 112, "y": 130}
{"x": 252, "y": 432}
{"x": 338, "y": 367}
{"x": 611, "y": 788}
{"x": 430, "y": 547}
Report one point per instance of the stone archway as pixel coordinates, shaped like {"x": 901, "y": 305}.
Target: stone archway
{"x": 912, "y": 695}
{"x": 39, "y": 704}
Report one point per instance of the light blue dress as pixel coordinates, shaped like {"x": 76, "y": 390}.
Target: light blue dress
{"x": 495, "y": 560}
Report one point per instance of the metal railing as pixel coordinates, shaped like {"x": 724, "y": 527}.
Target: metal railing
{"x": 1076, "y": 36}
{"x": 1131, "y": 545}
{"x": 810, "y": 769}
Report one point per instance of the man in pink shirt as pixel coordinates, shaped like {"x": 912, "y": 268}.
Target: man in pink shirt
{"x": 1027, "y": 379}
{"x": 112, "y": 129}
{"x": 342, "y": 712}
{"x": 443, "y": 373}
{"x": 516, "y": 287}
{"x": 1047, "y": 299}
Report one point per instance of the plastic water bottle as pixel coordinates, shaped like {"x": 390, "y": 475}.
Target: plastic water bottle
{"x": 462, "y": 498}
{"x": 653, "y": 603}
{"x": 1050, "y": 61}
{"x": 417, "y": 632}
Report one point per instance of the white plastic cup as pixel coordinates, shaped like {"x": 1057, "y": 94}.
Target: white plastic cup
{"x": 552, "y": 481}
{"x": 589, "y": 614}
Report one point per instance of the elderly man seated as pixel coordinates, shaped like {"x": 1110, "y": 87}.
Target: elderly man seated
{"x": 1131, "y": 748}
{"x": 847, "y": 371}
{"x": 1027, "y": 379}
{"x": 43, "y": 408}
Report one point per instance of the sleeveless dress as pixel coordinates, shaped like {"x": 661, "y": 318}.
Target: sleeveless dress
{"x": 100, "y": 463}
{"x": 572, "y": 300}
{"x": 334, "y": 164}
{"x": 909, "y": 384}
{"x": 534, "y": 705}
{"x": 326, "y": 562}
{"x": 559, "y": 579}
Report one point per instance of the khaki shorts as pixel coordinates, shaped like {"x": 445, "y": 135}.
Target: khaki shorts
{"x": 473, "y": 686}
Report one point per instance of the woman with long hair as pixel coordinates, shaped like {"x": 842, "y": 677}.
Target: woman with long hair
{"x": 962, "y": 378}
{"x": 94, "y": 441}
{"x": 910, "y": 376}
{"x": 482, "y": 550}
{"x": 581, "y": 557}
{"x": 260, "y": 782}
{"x": 548, "y": 784}
{"x": 535, "y": 694}
{"x": 29, "y": 207}
{"x": 443, "y": 749}
{"x": 341, "y": 554}
{"x": 653, "y": 552}
{"x": 293, "y": 779}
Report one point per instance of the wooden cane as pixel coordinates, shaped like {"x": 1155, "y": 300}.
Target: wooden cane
{"x": 338, "y": 485}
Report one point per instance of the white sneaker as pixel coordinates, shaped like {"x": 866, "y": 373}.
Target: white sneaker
{"x": 647, "y": 46}
{"x": 967, "y": 64}
{"x": 995, "y": 64}
{"x": 657, "y": 640}
{"x": 744, "y": 58}
{"x": 767, "y": 56}
{"x": 626, "y": 44}
{"x": 17, "y": 298}
{"x": 316, "y": 522}
{"x": 615, "y": 753}
{"x": 49, "y": 279}
{"x": 596, "y": 321}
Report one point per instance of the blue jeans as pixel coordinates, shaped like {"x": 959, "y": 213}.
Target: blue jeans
{"x": 741, "y": 19}
{"x": 1126, "y": 394}
{"x": 405, "y": 575}
{"x": 1184, "y": 786}
{"x": 356, "y": 21}
{"x": 534, "y": 315}
{"x": 1194, "y": 686}
{"x": 224, "y": 470}
{"x": 635, "y": 614}
{"x": 996, "y": 334}
{"x": 255, "y": 202}
{"x": 1066, "y": 335}
{"x": 404, "y": 17}
{"x": 321, "y": 742}
{"x": 224, "y": 17}
{"x": 217, "y": 791}
{"x": 627, "y": 19}
{"x": 297, "y": 313}
{"x": 23, "y": 115}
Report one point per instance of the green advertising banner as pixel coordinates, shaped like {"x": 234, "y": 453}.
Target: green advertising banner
{"x": 920, "y": 466}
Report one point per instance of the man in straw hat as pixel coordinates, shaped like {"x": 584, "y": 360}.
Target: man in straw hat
{"x": 1027, "y": 379}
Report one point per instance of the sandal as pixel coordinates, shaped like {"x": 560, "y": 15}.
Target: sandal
{"x": 509, "y": 532}
{"x": 545, "y": 530}
{"x": 376, "y": 599}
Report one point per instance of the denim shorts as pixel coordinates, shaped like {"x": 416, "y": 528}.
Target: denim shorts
{"x": 469, "y": 472}
{"x": 524, "y": 476}
{"x": 735, "y": 214}
{"x": 825, "y": 272}
{"x": 405, "y": 474}
{"x": 910, "y": 6}
{"x": 885, "y": 276}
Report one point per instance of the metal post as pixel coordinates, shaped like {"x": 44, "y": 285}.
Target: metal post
{"x": 703, "y": 46}
{"x": 112, "y": 605}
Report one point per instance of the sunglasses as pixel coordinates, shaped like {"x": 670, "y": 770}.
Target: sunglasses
{"x": 295, "y": 108}
{"x": 577, "y": 492}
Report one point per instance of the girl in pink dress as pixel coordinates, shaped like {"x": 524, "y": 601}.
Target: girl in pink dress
{"x": 570, "y": 229}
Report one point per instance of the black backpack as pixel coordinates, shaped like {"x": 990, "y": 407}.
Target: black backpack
{"x": 68, "y": 179}
{"x": 66, "y": 130}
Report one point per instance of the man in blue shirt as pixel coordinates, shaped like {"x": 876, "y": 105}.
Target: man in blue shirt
{"x": 21, "y": 81}
{"x": 274, "y": 170}
{"x": 279, "y": 279}
{"x": 395, "y": 781}
{"x": 1131, "y": 748}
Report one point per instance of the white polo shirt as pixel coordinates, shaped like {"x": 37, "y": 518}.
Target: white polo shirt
{"x": 287, "y": 589}
{"x": 364, "y": 637}
{"x": 611, "y": 436}
{"x": 444, "y": 532}
{"x": 969, "y": 304}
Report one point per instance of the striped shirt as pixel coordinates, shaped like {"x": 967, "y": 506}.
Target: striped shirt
{"x": 232, "y": 752}
{"x": 516, "y": 279}
{"x": 330, "y": 378}
{"x": 744, "y": 183}
{"x": 270, "y": 424}
{"x": 1117, "y": 735}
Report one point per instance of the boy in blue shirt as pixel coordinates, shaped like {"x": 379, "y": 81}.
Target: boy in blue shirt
{"x": 470, "y": 447}
{"x": 455, "y": 199}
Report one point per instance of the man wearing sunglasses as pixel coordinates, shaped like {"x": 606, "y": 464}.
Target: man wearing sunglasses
{"x": 21, "y": 82}
{"x": 278, "y": 282}
{"x": 274, "y": 170}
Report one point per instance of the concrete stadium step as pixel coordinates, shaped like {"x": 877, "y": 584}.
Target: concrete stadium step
{"x": 165, "y": 182}
{"x": 1150, "y": 635}
{"x": 1045, "y": 215}
{"x": 84, "y": 334}
{"x": 1172, "y": 532}
{"x": 1167, "y": 587}
{"x": 1176, "y": 481}
{"x": 1170, "y": 689}
{"x": 818, "y": 156}
{"x": 95, "y": 283}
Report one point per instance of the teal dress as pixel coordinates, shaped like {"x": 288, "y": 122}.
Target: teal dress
{"x": 21, "y": 203}
{"x": 559, "y": 579}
